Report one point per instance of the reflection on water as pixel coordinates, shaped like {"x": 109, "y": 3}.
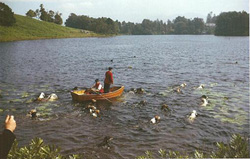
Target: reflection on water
{"x": 158, "y": 64}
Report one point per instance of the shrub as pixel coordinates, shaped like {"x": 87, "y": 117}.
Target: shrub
{"x": 237, "y": 148}
{"x": 31, "y": 13}
{"x": 6, "y": 15}
{"x": 37, "y": 150}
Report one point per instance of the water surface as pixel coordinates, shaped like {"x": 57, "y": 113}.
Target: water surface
{"x": 157, "y": 64}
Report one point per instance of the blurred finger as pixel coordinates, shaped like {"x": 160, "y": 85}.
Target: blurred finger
{"x": 7, "y": 118}
{"x": 12, "y": 117}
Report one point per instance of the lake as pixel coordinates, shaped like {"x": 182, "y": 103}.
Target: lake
{"x": 158, "y": 64}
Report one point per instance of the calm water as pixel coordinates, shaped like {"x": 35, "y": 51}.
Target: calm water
{"x": 155, "y": 63}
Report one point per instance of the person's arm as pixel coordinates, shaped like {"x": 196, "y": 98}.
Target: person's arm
{"x": 7, "y": 138}
{"x": 93, "y": 86}
{"x": 111, "y": 78}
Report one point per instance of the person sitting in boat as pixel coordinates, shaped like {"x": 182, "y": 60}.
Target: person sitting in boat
{"x": 97, "y": 87}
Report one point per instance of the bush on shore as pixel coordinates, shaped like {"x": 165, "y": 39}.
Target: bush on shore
{"x": 37, "y": 150}
{"x": 237, "y": 148}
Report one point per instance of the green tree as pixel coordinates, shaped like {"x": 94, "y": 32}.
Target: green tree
{"x": 51, "y": 15}
{"x": 80, "y": 22}
{"x": 138, "y": 30}
{"x": 101, "y": 25}
{"x": 72, "y": 21}
{"x": 58, "y": 19}
{"x": 118, "y": 26}
{"x": 160, "y": 27}
{"x": 180, "y": 28}
{"x": 232, "y": 24}
{"x": 211, "y": 18}
{"x": 43, "y": 14}
{"x": 37, "y": 13}
{"x": 180, "y": 19}
{"x": 127, "y": 28}
{"x": 190, "y": 27}
{"x": 31, "y": 13}
{"x": 170, "y": 27}
{"x": 46, "y": 16}
{"x": 198, "y": 25}
{"x": 6, "y": 15}
{"x": 180, "y": 25}
{"x": 146, "y": 27}
{"x": 111, "y": 26}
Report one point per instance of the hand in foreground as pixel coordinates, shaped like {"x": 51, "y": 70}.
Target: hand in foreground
{"x": 10, "y": 123}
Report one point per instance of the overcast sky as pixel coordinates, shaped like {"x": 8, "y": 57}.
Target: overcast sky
{"x": 132, "y": 10}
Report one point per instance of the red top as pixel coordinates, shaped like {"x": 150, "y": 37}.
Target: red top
{"x": 109, "y": 77}
{"x": 101, "y": 90}
{"x": 97, "y": 85}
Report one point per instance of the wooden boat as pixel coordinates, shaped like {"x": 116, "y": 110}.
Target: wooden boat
{"x": 80, "y": 95}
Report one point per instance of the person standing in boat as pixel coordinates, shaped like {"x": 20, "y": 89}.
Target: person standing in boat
{"x": 108, "y": 80}
{"x": 98, "y": 86}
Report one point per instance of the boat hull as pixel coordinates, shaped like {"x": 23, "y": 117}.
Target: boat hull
{"x": 79, "y": 96}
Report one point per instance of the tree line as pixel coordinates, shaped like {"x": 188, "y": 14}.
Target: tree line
{"x": 180, "y": 25}
{"x": 100, "y": 25}
{"x": 7, "y": 16}
{"x": 48, "y": 16}
{"x": 232, "y": 24}
{"x": 225, "y": 24}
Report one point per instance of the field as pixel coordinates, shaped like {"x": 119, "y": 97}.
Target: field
{"x": 27, "y": 28}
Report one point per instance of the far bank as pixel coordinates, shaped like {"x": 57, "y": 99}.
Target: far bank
{"x": 27, "y": 28}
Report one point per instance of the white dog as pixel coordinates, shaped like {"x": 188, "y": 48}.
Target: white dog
{"x": 204, "y": 100}
{"x": 41, "y": 96}
{"x": 193, "y": 115}
{"x": 52, "y": 97}
{"x": 155, "y": 119}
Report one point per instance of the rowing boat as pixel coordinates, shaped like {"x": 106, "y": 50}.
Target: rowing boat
{"x": 80, "y": 95}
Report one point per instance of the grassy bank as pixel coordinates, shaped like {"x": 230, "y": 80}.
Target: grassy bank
{"x": 37, "y": 149}
{"x": 27, "y": 28}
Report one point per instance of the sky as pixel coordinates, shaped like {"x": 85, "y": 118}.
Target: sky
{"x": 132, "y": 10}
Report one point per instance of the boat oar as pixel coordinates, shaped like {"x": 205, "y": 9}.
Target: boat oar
{"x": 103, "y": 97}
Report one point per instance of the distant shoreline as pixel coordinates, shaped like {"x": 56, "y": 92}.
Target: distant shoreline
{"x": 27, "y": 28}
{"x": 48, "y": 38}
{"x": 96, "y": 36}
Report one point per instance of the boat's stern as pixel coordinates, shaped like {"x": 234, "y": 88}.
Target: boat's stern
{"x": 76, "y": 93}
